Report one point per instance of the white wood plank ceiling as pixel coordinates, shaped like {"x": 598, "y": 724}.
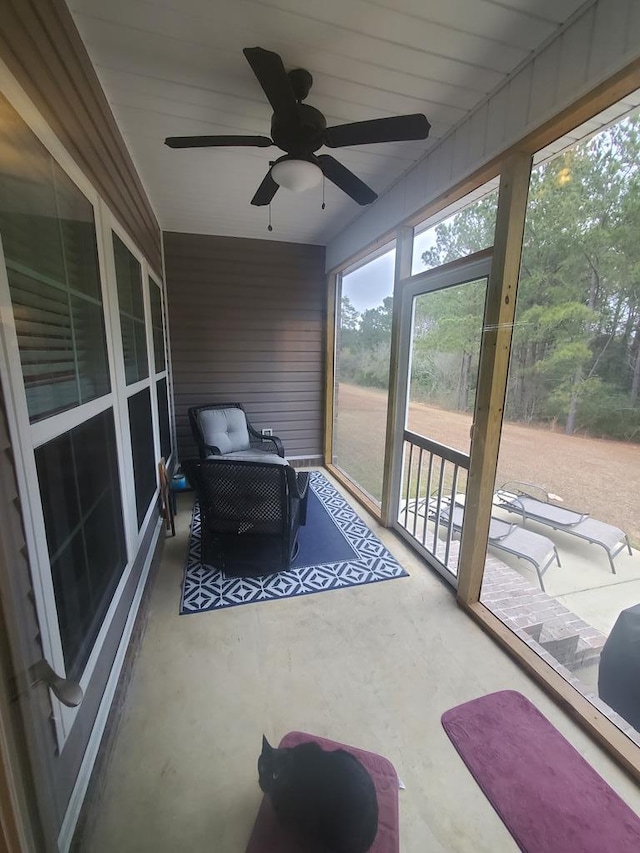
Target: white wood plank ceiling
{"x": 176, "y": 68}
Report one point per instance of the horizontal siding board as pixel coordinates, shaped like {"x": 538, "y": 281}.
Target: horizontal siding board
{"x": 301, "y": 407}
{"x": 227, "y": 303}
{"x": 266, "y": 373}
{"x": 248, "y": 325}
{"x": 300, "y": 341}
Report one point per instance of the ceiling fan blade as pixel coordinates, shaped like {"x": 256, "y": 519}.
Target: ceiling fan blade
{"x": 216, "y": 141}
{"x": 266, "y": 191}
{"x": 346, "y": 180}
{"x": 268, "y": 68}
{"x": 393, "y": 129}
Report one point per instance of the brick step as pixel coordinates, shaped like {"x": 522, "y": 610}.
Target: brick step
{"x": 571, "y": 641}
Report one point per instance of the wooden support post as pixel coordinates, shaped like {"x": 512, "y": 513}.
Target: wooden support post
{"x": 492, "y": 374}
{"x": 404, "y": 256}
{"x": 334, "y": 284}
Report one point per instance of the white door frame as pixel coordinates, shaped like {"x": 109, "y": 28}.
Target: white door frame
{"x": 463, "y": 271}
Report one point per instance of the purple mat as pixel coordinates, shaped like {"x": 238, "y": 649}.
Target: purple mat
{"x": 548, "y": 796}
{"x": 269, "y": 836}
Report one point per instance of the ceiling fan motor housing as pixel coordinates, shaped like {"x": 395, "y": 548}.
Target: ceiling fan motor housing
{"x": 301, "y": 133}
{"x": 301, "y": 82}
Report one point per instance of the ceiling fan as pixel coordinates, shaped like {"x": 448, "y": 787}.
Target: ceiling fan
{"x": 300, "y": 130}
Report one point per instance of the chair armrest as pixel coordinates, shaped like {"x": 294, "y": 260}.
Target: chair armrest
{"x": 302, "y": 481}
{"x": 302, "y": 484}
{"x": 279, "y": 445}
{"x": 260, "y": 439}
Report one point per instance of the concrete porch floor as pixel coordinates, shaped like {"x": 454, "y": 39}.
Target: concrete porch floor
{"x": 373, "y": 666}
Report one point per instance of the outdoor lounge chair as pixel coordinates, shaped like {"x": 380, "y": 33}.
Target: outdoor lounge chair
{"x": 521, "y": 498}
{"x": 512, "y": 539}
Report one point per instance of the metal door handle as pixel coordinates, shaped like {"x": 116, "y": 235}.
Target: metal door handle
{"x": 67, "y": 691}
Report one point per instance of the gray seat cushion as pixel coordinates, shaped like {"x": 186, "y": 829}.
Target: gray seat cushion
{"x": 225, "y": 429}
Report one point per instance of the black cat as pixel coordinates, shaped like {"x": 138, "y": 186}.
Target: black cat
{"x": 325, "y": 797}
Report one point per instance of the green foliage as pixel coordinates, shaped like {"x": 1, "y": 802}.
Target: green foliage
{"x": 575, "y": 355}
{"x": 466, "y": 232}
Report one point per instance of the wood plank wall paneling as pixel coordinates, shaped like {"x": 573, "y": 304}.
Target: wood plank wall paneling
{"x": 42, "y": 48}
{"x": 598, "y": 43}
{"x": 248, "y": 323}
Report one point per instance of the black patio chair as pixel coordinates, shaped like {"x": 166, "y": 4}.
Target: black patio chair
{"x": 250, "y": 513}
{"x": 223, "y": 429}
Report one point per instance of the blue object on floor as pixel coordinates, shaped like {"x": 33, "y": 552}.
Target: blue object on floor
{"x": 337, "y": 550}
{"x": 178, "y": 483}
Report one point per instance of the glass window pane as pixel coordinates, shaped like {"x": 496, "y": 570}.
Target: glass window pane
{"x": 163, "y": 414}
{"x": 445, "y": 353}
{"x": 80, "y": 493}
{"x": 130, "y": 301}
{"x": 49, "y": 240}
{"x": 156, "y": 321}
{"x": 134, "y": 348}
{"x": 458, "y": 231}
{"x": 144, "y": 466}
{"x": 363, "y": 346}
{"x": 77, "y": 230}
{"x": 91, "y": 366}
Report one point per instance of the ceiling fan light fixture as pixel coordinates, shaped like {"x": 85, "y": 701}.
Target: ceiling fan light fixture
{"x": 296, "y": 175}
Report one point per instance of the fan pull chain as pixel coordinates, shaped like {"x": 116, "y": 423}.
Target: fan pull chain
{"x": 269, "y": 226}
{"x": 323, "y": 204}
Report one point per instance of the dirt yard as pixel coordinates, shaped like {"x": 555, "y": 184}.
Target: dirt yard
{"x": 593, "y": 475}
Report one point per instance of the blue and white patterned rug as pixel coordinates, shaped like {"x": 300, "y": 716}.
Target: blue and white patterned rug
{"x": 356, "y": 556}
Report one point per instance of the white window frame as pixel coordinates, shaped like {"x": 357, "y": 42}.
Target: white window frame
{"x": 27, "y": 437}
{"x": 135, "y": 535}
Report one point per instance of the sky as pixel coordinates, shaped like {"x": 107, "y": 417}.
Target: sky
{"x": 368, "y": 286}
